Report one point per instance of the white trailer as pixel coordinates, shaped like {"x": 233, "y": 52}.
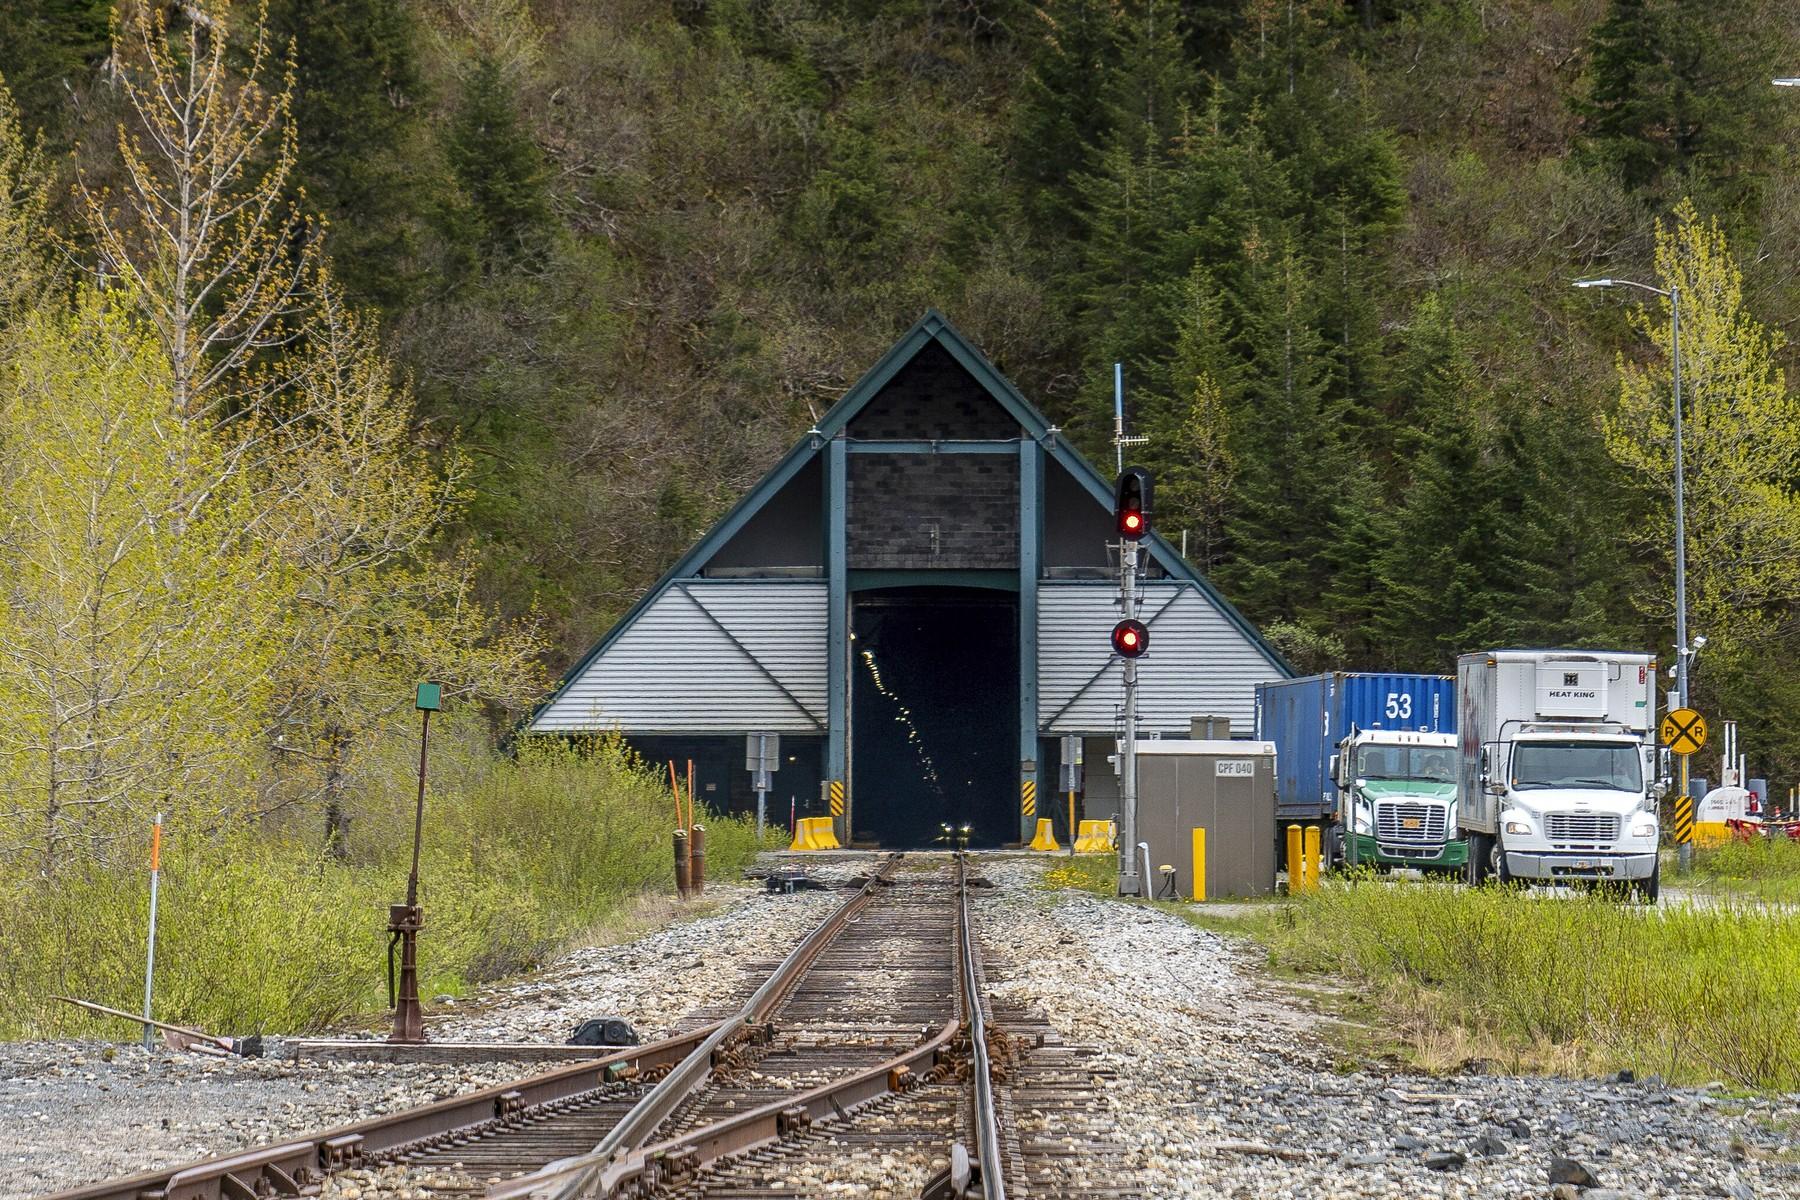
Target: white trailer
{"x": 1557, "y": 763}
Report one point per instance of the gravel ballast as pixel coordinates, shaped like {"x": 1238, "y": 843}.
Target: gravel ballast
{"x": 1231, "y": 1088}
{"x": 69, "y": 1117}
{"x": 1225, "y": 1085}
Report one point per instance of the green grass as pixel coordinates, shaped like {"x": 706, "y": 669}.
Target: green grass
{"x": 1572, "y": 984}
{"x": 1767, "y": 869}
{"x": 1097, "y": 874}
{"x": 260, "y": 930}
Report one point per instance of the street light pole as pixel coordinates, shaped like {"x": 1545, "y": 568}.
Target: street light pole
{"x": 1683, "y": 654}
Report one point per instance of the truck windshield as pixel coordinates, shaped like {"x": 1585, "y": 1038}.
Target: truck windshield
{"x": 1406, "y": 762}
{"x": 1576, "y": 765}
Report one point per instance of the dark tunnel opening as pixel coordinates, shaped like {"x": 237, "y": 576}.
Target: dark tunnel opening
{"x": 935, "y": 711}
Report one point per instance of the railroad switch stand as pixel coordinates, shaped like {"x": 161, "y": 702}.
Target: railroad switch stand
{"x": 404, "y": 923}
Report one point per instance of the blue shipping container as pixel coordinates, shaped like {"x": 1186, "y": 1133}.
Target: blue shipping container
{"x": 1307, "y": 718}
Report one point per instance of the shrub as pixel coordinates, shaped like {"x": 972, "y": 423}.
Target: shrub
{"x": 260, "y": 929}
{"x": 1692, "y": 993}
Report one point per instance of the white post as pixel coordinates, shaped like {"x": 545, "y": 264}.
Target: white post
{"x": 150, "y": 955}
{"x": 1129, "y": 881}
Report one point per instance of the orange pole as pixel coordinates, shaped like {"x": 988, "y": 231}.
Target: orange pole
{"x": 690, "y": 799}
{"x": 675, "y": 787}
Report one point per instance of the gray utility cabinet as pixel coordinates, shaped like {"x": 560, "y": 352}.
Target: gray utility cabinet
{"x": 1224, "y": 787}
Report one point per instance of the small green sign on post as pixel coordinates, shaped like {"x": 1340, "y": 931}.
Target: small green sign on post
{"x": 430, "y": 694}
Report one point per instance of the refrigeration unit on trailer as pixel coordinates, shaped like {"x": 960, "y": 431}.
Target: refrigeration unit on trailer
{"x": 1557, "y": 766}
{"x": 1372, "y": 758}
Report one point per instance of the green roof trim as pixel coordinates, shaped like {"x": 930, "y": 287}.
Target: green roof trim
{"x": 934, "y": 326}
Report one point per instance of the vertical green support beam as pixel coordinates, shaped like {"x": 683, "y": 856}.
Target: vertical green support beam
{"x": 1031, "y": 544}
{"x": 837, "y": 574}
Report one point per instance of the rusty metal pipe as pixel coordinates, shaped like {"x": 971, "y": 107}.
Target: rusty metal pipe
{"x": 697, "y": 860}
{"x": 681, "y": 863}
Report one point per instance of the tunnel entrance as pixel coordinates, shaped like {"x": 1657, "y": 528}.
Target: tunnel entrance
{"x": 935, "y": 704}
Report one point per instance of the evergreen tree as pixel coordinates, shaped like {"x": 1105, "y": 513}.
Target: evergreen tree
{"x": 500, "y": 168}
{"x": 1676, "y": 97}
{"x": 1440, "y": 568}
{"x": 356, "y": 102}
{"x": 1288, "y": 444}
{"x": 1188, "y": 420}
{"x": 49, "y": 52}
{"x": 1340, "y": 187}
{"x": 1059, "y": 117}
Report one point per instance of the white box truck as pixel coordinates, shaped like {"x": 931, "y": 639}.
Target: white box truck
{"x": 1557, "y": 765}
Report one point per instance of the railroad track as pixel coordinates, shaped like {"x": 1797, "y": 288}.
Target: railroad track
{"x": 869, "y": 1057}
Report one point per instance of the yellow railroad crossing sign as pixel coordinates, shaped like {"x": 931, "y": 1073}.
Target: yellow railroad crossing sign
{"x": 1683, "y": 731}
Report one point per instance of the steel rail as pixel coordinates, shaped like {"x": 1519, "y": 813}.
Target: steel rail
{"x": 288, "y": 1167}
{"x": 987, "y": 1124}
{"x": 676, "y": 1159}
{"x": 297, "y": 1165}
{"x": 579, "y": 1176}
{"x": 645, "y": 1171}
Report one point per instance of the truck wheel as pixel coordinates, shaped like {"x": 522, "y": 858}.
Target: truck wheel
{"x": 1497, "y": 862}
{"x": 1651, "y": 888}
{"x": 1476, "y": 872}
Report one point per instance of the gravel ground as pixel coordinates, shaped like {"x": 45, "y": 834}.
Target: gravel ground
{"x": 69, "y": 1116}
{"x": 1227, "y": 1082}
{"x": 1232, "y": 1093}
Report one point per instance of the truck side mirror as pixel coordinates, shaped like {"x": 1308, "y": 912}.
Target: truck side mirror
{"x": 1487, "y": 779}
{"x": 1336, "y": 762}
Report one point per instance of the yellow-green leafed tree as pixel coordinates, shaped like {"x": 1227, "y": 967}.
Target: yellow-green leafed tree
{"x": 1741, "y": 439}
{"x": 138, "y": 627}
{"x": 379, "y": 605}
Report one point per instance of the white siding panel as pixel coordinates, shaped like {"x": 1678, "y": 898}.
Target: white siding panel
{"x": 676, "y": 670}
{"x": 1199, "y": 662}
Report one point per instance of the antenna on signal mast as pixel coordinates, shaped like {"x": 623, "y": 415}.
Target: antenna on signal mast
{"x": 1120, "y": 441}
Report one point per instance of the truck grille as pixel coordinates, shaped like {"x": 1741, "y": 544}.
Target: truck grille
{"x": 1581, "y": 829}
{"x": 1415, "y": 823}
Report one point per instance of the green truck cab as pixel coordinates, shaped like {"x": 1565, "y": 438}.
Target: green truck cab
{"x": 1397, "y": 800}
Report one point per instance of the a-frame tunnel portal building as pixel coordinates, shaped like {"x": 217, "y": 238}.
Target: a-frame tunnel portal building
{"x": 919, "y": 599}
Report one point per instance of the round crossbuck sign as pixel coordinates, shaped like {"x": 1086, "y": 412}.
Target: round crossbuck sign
{"x": 1683, "y": 731}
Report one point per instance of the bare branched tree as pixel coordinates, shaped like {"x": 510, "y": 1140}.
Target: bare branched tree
{"x": 204, "y": 226}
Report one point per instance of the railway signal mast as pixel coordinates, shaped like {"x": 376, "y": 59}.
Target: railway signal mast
{"x": 1130, "y": 638}
{"x": 1132, "y": 510}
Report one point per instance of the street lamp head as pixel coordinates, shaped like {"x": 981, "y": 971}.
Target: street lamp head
{"x": 1786, "y": 82}
{"x": 1588, "y": 283}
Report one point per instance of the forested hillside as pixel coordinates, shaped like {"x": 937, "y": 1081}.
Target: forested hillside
{"x": 626, "y": 253}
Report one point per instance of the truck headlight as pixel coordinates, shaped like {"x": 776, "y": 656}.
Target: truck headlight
{"x": 1644, "y": 828}
{"x": 1517, "y": 827}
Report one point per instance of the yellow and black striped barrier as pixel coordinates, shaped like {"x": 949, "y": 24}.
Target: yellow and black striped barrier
{"x": 1028, "y": 798}
{"x": 836, "y": 795}
{"x": 1684, "y": 819}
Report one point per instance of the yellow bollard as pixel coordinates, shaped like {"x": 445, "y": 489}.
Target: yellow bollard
{"x": 1199, "y": 864}
{"x": 824, "y": 834}
{"x": 1046, "y": 836}
{"x": 1296, "y": 876}
{"x": 1312, "y": 858}
{"x": 1094, "y": 837}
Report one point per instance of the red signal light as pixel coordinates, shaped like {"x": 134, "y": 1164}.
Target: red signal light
{"x": 1130, "y": 638}
{"x": 1132, "y": 503}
